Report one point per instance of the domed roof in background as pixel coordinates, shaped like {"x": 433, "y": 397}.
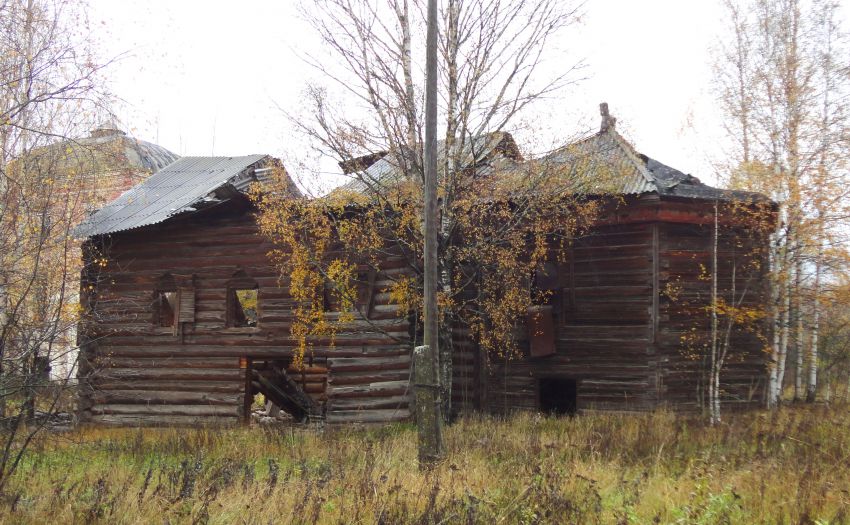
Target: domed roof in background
{"x": 101, "y": 166}
{"x": 133, "y": 152}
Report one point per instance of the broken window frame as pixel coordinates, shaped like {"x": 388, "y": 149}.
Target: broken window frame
{"x": 241, "y": 282}
{"x": 165, "y": 293}
{"x": 366, "y": 292}
{"x": 178, "y": 291}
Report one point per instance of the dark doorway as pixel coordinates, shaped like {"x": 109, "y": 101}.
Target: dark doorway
{"x": 557, "y": 395}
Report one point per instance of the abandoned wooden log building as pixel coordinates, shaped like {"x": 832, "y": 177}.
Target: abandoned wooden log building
{"x": 189, "y": 318}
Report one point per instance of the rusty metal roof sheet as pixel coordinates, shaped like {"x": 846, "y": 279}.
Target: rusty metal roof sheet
{"x": 180, "y": 187}
{"x": 601, "y": 164}
{"x": 387, "y": 171}
{"x": 606, "y": 163}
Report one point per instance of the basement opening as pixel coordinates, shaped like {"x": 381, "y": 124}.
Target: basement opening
{"x": 281, "y": 390}
{"x": 557, "y": 396}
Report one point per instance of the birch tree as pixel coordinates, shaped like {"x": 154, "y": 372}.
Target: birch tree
{"x": 783, "y": 84}
{"x": 491, "y": 55}
{"x": 49, "y": 86}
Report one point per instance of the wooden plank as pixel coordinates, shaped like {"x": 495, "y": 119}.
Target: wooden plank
{"x": 368, "y": 416}
{"x": 164, "y": 410}
{"x": 158, "y": 420}
{"x": 136, "y": 397}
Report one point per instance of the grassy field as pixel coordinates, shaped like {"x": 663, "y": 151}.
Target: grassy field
{"x": 789, "y": 467}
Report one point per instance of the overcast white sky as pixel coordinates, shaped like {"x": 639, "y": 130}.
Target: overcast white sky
{"x": 204, "y": 78}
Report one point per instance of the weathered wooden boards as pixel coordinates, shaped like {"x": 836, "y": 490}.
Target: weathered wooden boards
{"x": 142, "y": 373}
{"x": 685, "y": 260}
{"x": 602, "y": 320}
{"x": 630, "y": 311}
{"x": 628, "y": 298}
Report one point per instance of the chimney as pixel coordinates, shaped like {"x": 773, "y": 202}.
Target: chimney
{"x": 608, "y": 122}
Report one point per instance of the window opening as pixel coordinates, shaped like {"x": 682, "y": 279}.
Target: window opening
{"x": 244, "y": 306}
{"x": 165, "y": 304}
{"x": 165, "y": 299}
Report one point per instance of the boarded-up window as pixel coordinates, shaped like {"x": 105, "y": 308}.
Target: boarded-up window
{"x": 366, "y": 292}
{"x": 541, "y": 330}
{"x": 186, "y": 300}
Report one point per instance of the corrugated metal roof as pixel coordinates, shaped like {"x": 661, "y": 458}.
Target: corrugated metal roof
{"x": 605, "y": 163}
{"x": 602, "y": 163}
{"x": 387, "y": 170}
{"x": 178, "y": 188}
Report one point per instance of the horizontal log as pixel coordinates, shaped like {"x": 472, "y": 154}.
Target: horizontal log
{"x": 367, "y": 377}
{"x": 367, "y": 416}
{"x": 136, "y": 397}
{"x": 369, "y": 403}
{"x": 372, "y": 389}
{"x": 168, "y": 373}
{"x": 357, "y": 364}
{"x": 201, "y": 362}
{"x": 158, "y": 420}
{"x": 130, "y": 347}
{"x": 165, "y": 410}
{"x": 173, "y": 386}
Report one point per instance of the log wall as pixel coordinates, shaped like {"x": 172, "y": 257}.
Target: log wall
{"x": 135, "y": 372}
{"x": 631, "y": 317}
{"x": 628, "y": 309}
{"x": 602, "y": 318}
{"x": 685, "y": 254}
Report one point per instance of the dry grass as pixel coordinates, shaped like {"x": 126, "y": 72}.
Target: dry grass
{"x": 788, "y": 467}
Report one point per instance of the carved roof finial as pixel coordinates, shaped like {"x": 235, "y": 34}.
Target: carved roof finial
{"x": 608, "y": 122}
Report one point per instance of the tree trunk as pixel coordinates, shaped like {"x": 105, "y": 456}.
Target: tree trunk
{"x": 714, "y": 381}
{"x": 783, "y": 341}
{"x": 798, "y": 327}
{"x": 812, "y": 385}
{"x": 784, "y": 316}
{"x": 775, "y": 298}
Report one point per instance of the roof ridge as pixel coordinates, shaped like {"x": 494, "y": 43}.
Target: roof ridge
{"x": 633, "y": 155}
{"x": 169, "y": 193}
{"x": 210, "y": 157}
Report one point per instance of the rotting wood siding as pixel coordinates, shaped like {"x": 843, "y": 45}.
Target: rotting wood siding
{"x": 602, "y": 328}
{"x": 685, "y": 259}
{"x": 620, "y": 335}
{"x": 137, "y": 373}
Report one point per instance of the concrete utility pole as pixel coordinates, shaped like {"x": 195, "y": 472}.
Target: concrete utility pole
{"x": 427, "y": 387}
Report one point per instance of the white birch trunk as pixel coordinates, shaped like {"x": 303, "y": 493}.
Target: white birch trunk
{"x": 775, "y": 298}
{"x": 784, "y": 315}
{"x": 783, "y": 340}
{"x": 812, "y": 385}
{"x": 714, "y": 381}
{"x": 798, "y": 331}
